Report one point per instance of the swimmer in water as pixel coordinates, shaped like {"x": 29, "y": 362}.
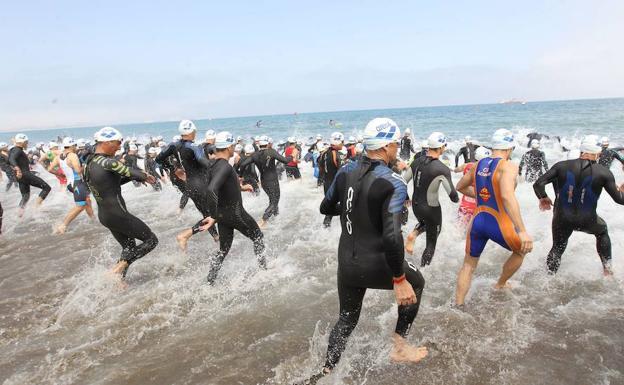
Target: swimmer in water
{"x": 104, "y": 175}
{"x": 429, "y": 173}
{"x": 25, "y": 177}
{"x": 492, "y": 182}
{"x": 69, "y": 163}
{"x": 578, "y": 184}
{"x": 369, "y": 198}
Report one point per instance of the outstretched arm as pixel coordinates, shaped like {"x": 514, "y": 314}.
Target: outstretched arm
{"x": 612, "y": 189}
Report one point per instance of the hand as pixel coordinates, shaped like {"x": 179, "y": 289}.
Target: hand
{"x": 545, "y": 204}
{"x": 404, "y": 293}
{"x": 208, "y": 222}
{"x": 18, "y": 173}
{"x": 246, "y": 187}
{"x": 622, "y": 187}
{"x": 401, "y": 165}
{"x": 526, "y": 242}
{"x": 180, "y": 174}
{"x": 150, "y": 179}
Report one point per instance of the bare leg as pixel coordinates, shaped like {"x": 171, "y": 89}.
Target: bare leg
{"x": 39, "y": 201}
{"x": 411, "y": 239}
{"x": 509, "y": 268}
{"x": 404, "y": 352}
{"x": 464, "y": 278}
{"x": 73, "y": 213}
{"x": 262, "y": 223}
{"x": 118, "y": 273}
{"x": 89, "y": 209}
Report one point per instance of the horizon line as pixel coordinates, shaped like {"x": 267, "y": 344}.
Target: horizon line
{"x": 78, "y": 126}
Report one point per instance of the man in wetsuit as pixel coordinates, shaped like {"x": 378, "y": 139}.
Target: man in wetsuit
{"x": 578, "y": 184}
{"x": 172, "y": 167}
{"x": 492, "y": 182}
{"x": 428, "y": 173}
{"x": 369, "y": 197}
{"x": 131, "y": 159}
{"x": 467, "y": 152}
{"x": 608, "y": 155}
{"x": 69, "y": 163}
{"x": 535, "y": 161}
{"x": 535, "y": 136}
{"x": 265, "y": 159}
{"x": 104, "y": 175}
{"x": 226, "y": 204}
{"x": 330, "y": 162}
{"x": 423, "y": 151}
{"x": 152, "y": 168}
{"x": 406, "y": 145}
{"x": 292, "y": 167}
{"x": 195, "y": 170}
{"x": 209, "y": 144}
{"x": 26, "y": 178}
{"x": 248, "y": 173}
{"x": 5, "y": 166}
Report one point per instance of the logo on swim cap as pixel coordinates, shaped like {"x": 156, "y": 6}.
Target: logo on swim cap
{"x": 484, "y": 193}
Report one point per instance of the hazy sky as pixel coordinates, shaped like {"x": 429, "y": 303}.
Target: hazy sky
{"x": 67, "y": 63}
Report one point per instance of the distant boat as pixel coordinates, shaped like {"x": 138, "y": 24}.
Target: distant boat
{"x": 513, "y": 101}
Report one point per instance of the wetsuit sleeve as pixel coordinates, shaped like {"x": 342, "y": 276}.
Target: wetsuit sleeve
{"x": 549, "y": 177}
{"x": 245, "y": 162}
{"x": 391, "y": 229}
{"x": 449, "y": 187}
{"x": 165, "y": 154}
{"x": 618, "y": 156}
{"x": 117, "y": 167}
{"x": 522, "y": 161}
{"x": 331, "y": 202}
{"x": 13, "y": 156}
{"x": 544, "y": 162}
{"x": 612, "y": 188}
{"x": 275, "y": 155}
{"x": 217, "y": 179}
{"x": 457, "y": 157}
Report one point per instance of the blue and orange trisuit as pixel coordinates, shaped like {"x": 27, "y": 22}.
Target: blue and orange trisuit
{"x": 490, "y": 221}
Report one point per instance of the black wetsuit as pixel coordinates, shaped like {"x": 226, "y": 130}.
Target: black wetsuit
{"x": 226, "y": 202}
{"x": 467, "y": 152}
{"x": 369, "y": 197}
{"x": 265, "y": 161}
{"x": 8, "y": 170}
{"x": 150, "y": 167}
{"x": 536, "y": 165}
{"x": 406, "y": 148}
{"x": 421, "y": 153}
{"x": 209, "y": 149}
{"x": 428, "y": 174}
{"x": 132, "y": 161}
{"x": 329, "y": 161}
{"x": 578, "y": 184}
{"x": 535, "y": 136}
{"x": 196, "y": 165}
{"x": 104, "y": 175}
{"x": 608, "y": 155}
{"x": 170, "y": 165}
{"x": 248, "y": 173}
{"x": 18, "y": 158}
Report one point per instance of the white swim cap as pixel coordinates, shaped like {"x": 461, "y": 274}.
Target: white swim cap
{"x": 176, "y": 138}
{"x": 503, "y": 139}
{"x": 436, "y": 140}
{"x": 604, "y": 140}
{"x": 320, "y": 147}
{"x": 159, "y": 138}
{"x": 292, "y": 140}
{"x": 239, "y": 138}
{"x": 153, "y": 151}
{"x": 351, "y": 140}
{"x": 224, "y": 139}
{"x": 482, "y": 152}
{"x": 535, "y": 144}
{"x": 238, "y": 148}
{"x": 20, "y": 138}
{"x": 263, "y": 140}
{"x": 162, "y": 144}
{"x": 133, "y": 147}
{"x": 210, "y": 134}
{"x": 468, "y": 139}
{"x": 591, "y": 144}
{"x": 108, "y": 134}
{"x": 52, "y": 145}
{"x": 425, "y": 144}
{"x": 408, "y": 131}
{"x": 186, "y": 127}
{"x": 81, "y": 142}
{"x": 68, "y": 142}
{"x": 249, "y": 149}
{"x": 359, "y": 148}
{"x": 379, "y": 132}
{"x": 337, "y": 138}
{"x": 319, "y": 137}
{"x": 3, "y": 145}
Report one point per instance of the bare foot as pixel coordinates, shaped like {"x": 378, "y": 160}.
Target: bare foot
{"x": 607, "y": 272}
{"x": 20, "y": 213}
{"x": 60, "y": 229}
{"x": 182, "y": 241}
{"x": 498, "y": 286}
{"x": 408, "y": 353}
